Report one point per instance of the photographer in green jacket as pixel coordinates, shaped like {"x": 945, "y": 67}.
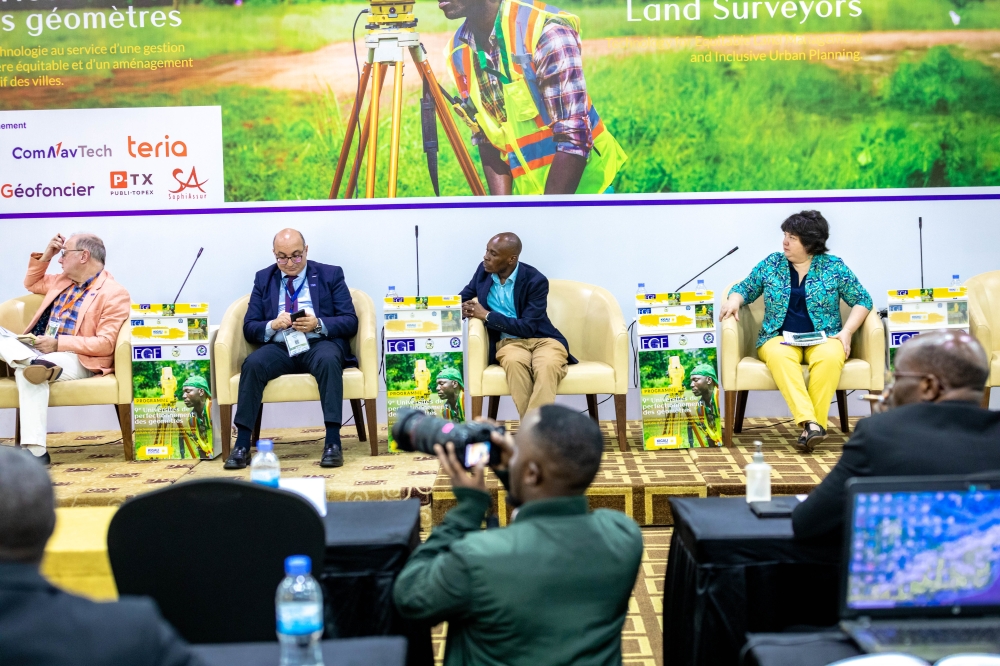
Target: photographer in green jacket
{"x": 552, "y": 587}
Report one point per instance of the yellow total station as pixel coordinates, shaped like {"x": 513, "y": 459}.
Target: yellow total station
{"x": 676, "y": 373}
{"x": 391, "y": 14}
{"x": 168, "y": 383}
{"x": 422, "y": 376}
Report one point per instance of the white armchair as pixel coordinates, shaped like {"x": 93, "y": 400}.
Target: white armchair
{"x": 591, "y": 319}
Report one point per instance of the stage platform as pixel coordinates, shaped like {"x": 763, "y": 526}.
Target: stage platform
{"x": 89, "y": 469}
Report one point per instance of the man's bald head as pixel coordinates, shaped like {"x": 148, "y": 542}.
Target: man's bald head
{"x": 953, "y": 363}
{"x": 286, "y": 236}
{"x": 508, "y": 241}
{"x": 27, "y": 506}
{"x": 502, "y": 253}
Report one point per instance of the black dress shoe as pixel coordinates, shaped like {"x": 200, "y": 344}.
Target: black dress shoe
{"x": 238, "y": 459}
{"x": 45, "y": 458}
{"x": 332, "y": 457}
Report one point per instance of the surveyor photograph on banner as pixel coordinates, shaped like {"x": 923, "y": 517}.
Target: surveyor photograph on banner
{"x": 490, "y": 97}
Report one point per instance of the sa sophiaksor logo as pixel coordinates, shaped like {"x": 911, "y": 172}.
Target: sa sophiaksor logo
{"x": 126, "y": 184}
{"x": 188, "y": 185}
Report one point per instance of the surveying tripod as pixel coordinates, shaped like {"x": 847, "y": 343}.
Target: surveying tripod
{"x": 391, "y": 33}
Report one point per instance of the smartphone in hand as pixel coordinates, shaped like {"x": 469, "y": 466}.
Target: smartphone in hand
{"x": 295, "y": 316}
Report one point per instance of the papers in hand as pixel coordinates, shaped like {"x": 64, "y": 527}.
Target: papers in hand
{"x": 14, "y": 347}
{"x": 804, "y": 339}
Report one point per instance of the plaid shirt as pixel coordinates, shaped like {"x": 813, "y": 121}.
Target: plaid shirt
{"x": 558, "y": 61}
{"x": 66, "y": 307}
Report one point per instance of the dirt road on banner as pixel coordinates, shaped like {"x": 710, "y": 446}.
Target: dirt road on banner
{"x": 332, "y": 67}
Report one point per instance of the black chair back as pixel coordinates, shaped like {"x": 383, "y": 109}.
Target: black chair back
{"x": 211, "y": 553}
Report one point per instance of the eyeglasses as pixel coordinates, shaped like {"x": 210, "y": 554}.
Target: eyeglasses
{"x": 891, "y": 377}
{"x": 65, "y": 252}
{"x": 295, "y": 259}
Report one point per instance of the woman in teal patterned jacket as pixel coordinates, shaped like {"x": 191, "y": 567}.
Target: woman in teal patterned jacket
{"x": 802, "y": 288}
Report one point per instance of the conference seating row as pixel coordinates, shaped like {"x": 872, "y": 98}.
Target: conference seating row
{"x": 589, "y": 317}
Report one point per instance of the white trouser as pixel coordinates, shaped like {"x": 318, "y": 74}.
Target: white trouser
{"x": 34, "y": 398}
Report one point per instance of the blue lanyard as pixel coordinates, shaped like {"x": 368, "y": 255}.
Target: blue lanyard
{"x": 294, "y": 297}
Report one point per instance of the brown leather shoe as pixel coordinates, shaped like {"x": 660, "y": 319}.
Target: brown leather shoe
{"x": 40, "y": 372}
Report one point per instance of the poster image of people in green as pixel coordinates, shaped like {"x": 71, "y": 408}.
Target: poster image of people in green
{"x": 451, "y": 389}
{"x": 680, "y": 398}
{"x": 429, "y": 381}
{"x": 172, "y": 407}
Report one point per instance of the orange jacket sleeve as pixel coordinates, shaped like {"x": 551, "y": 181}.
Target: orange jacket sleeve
{"x": 36, "y": 280}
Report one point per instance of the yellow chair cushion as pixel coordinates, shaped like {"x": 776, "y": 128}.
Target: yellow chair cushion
{"x": 585, "y": 377}
{"x": 303, "y": 388}
{"x": 93, "y": 391}
{"x": 752, "y": 375}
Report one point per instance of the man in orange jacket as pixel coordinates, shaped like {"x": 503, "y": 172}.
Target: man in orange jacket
{"x": 75, "y": 329}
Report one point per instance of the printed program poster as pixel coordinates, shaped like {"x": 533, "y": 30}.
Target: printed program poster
{"x": 915, "y": 311}
{"x": 172, "y": 404}
{"x": 424, "y": 357}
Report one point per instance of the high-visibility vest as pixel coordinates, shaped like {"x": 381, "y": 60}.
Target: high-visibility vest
{"x": 525, "y": 139}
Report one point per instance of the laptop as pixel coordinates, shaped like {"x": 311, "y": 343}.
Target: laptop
{"x": 921, "y": 566}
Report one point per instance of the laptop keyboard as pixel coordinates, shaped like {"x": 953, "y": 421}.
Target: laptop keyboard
{"x": 951, "y": 635}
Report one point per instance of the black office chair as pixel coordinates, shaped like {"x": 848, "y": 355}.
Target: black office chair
{"x": 211, "y": 553}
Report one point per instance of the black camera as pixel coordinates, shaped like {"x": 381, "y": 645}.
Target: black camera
{"x": 415, "y": 430}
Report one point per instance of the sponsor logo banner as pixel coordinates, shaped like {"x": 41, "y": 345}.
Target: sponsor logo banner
{"x": 111, "y": 159}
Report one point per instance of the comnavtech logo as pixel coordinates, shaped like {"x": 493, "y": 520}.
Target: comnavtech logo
{"x": 188, "y": 186}
{"x": 43, "y": 191}
{"x": 57, "y": 152}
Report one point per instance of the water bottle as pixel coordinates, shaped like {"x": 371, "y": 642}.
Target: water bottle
{"x": 265, "y": 468}
{"x": 392, "y": 292}
{"x": 758, "y": 477}
{"x": 298, "y": 605}
{"x": 955, "y": 282}
{"x": 700, "y": 288}
{"x": 641, "y": 291}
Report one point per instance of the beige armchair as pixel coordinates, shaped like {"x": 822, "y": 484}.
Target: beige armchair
{"x": 743, "y": 372}
{"x": 361, "y": 383}
{"x": 591, "y": 320}
{"x": 984, "y": 322}
{"x": 112, "y": 389}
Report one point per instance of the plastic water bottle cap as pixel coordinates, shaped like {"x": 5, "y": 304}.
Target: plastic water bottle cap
{"x": 298, "y": 565}
{"x": 265, "y": 445}
{"x": 954, "y": 277}
{"x": 391, "y": 288}
{"x": 642, "y": 284}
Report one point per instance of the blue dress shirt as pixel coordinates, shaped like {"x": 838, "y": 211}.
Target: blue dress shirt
{"x": 305, "y": 303}
{"x": 501, "y": 297}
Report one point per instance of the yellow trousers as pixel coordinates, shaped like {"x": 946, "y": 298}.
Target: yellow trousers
{"x": 825, "y": 362}
{"x": 534, "y": 368}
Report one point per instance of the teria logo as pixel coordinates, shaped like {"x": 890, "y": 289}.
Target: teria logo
{"x": 58, "y": 152}
{"x": 146, "y": 353}
{"x": 654, "y": 342}
{"x": 401, "y": 346}
{"x": 165, "y": 148}
{"x": 190, "y": 182}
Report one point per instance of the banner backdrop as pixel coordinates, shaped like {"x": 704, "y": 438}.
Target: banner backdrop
{"x": 700, "y": 95}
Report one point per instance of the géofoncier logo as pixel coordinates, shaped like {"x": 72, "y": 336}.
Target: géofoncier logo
{"x": 41, "y": 191}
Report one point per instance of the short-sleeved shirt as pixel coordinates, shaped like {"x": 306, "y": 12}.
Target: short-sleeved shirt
{"x": 501, "y": 297}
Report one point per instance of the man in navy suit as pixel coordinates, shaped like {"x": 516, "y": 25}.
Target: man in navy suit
{"x": 302, "y": 315}
{"x": 532, "y": 352}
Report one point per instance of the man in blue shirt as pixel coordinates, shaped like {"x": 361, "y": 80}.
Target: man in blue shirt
{"x": 302, "y": 316}
{"x": 532, "y": 352}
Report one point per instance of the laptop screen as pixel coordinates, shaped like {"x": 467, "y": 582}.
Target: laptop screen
{"x": 924, "y": 549}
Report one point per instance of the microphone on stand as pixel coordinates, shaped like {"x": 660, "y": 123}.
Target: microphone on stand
{"x": 706, "y": 269}
{"x": 920, "y": 226}
{"x": 200, "y": 250}
{"x": 416, "y": 238}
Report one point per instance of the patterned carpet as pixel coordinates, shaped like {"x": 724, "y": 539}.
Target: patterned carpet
{"x": 89, "y": 469}
{"x": 640, "y": 483}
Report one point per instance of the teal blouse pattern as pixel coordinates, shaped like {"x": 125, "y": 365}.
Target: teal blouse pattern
{"x": 828, "y": 281}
